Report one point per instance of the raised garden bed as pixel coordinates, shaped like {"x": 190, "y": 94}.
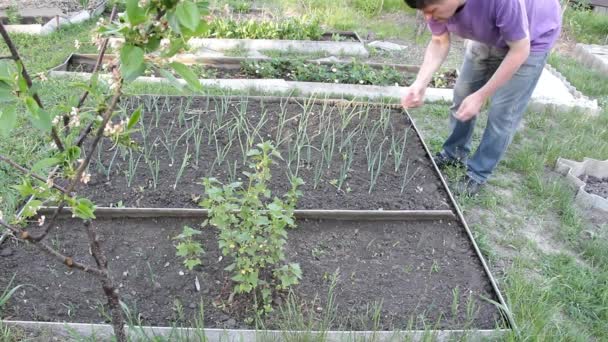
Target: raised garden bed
{"x": 46, "y": 20}
{"x": 589, "y": 179}
{"x": 381, "y": 275}
{"x": 360, "y": 73}
{"x": 346, "y": 154}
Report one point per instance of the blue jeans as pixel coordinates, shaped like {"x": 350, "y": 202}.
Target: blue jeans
{"x": 505, "y": 111}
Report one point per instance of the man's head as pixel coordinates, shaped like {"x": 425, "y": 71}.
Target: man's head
{"x": 438, "y": 10}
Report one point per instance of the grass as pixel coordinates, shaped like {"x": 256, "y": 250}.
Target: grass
{"x": 586, "y": 26}
{"x": 589, "y": 82}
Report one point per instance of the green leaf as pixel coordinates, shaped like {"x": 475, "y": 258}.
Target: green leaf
{"x": 182, "y": 249}
{"x": 31, "y": 209}
{"x": 173, "y": 22}
{"x": 135, "y": 14}
{"x": 188, "y": 15}
{"x": 6, "y": 92}
{"x": 191, "y": 263}
{"x": 25, "y": 188}
{"x": 8, "y": 120}
{"x": 39, "y": 118}
{"x": 187, "y": 75}
{"x": 45, "y": 163}
{"x": 131, "y": 62}
{"x": 174, "y": 47}
{"x": 134, "y": 118}
{"x": 6, "y": 71}
{"x": 174, "y": 81}
{"x": 84, "y": 209}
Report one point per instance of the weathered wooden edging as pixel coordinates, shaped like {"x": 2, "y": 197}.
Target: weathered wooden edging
{"x": 105, "y": 332}
{"x": 401, "y": 215}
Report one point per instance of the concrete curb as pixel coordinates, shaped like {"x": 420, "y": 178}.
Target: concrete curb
{"x": 52, "y": 25}
{"x": 548, "y": 99}
{"x": 105, "y": 331}
{"x": 206, "y": 45}
{"x": 591, "y": 56}
{"x": 572, "y": 170}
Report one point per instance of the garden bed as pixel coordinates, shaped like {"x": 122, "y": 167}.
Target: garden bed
{"x": 589, "y": 179}
{"x": 363, "y": 270}
{"x": 417, "y": 274}
{"x": 289, "y": 69}
{"x": 45, "y": 20}
{"x": 344, "y": 152}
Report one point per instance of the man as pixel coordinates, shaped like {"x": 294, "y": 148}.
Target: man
{"x": 508, "y": 42}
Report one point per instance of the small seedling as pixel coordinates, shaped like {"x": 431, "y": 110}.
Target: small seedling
{"x": 435, "y": 267}
{"x": 189, "y": 249}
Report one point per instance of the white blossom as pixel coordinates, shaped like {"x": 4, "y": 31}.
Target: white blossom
{"x": 41, "y": 220}
{"x": 77, "y": 44}
{"x": 334, "y": 70}
{"x": 56, "y": 119}
{"x": 85, "y": 178}
{"x": 42, "y": 76}
{"x": 165, "y": 43}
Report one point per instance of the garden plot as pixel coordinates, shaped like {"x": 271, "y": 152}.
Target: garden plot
{"x": 350, "y": 155}
{"x": 45, "y": 20}
{"x": 357, "y": 271}
{"x": 589, "y": 179}
{"x": 377, "y": 275}
{"x": 289, "y": 69}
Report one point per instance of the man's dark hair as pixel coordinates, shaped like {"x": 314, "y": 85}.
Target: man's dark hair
{"x": 420, "y": 4}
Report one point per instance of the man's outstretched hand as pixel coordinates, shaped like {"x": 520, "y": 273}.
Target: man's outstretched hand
{"x": 414, "y": 96}
{"x": 469, "y": 107}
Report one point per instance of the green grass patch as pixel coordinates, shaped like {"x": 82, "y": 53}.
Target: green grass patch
{"x": 588, "y": 81}
{"x": 586, "y": 26}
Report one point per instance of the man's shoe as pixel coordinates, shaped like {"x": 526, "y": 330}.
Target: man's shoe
{"x": 444, "y": 161}
{"x": 467, "y": 186}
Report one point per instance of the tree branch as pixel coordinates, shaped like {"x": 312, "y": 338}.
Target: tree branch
{"x": 109, "y": 289}
{"x": 72, "y": 186}
{"x": 66, "y": 260}
{"x": 85, "y": 95}
{"x": 26, "y": 76}
{"x": 28, "y": 172}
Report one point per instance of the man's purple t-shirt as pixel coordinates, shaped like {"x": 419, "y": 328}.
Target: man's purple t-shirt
{"x": 494, "y": 22}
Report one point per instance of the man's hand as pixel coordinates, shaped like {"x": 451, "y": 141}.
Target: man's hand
{"x": 469, "y": 107}
{"x": 414, "y": 96}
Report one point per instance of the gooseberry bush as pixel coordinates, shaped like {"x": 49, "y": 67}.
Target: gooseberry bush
{"x": 253, "y": 228}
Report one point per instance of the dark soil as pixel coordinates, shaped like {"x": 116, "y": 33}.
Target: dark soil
{"x": 425, "y": 272}
{"x": 423, "y": 188}
{"x": 597, "y": 186}
{"x": 445, "y": 79}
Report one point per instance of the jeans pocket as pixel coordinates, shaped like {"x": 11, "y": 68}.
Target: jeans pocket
{"x": 477, "y": 51}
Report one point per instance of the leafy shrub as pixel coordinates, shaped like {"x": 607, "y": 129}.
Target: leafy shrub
{"x": 300, "y": 70}
{"x": 253, "y": 227}
{"x": 292, "y": 28}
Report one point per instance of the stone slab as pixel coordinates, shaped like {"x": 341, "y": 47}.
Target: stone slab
{"x": 572, "y": 170}
{"x": 593, "y": 56}
{"x": 304, "y": 46}
{"x": 387, "y": 46}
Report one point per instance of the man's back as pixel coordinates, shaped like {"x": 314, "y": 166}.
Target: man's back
{"x": 494, "y": 22}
